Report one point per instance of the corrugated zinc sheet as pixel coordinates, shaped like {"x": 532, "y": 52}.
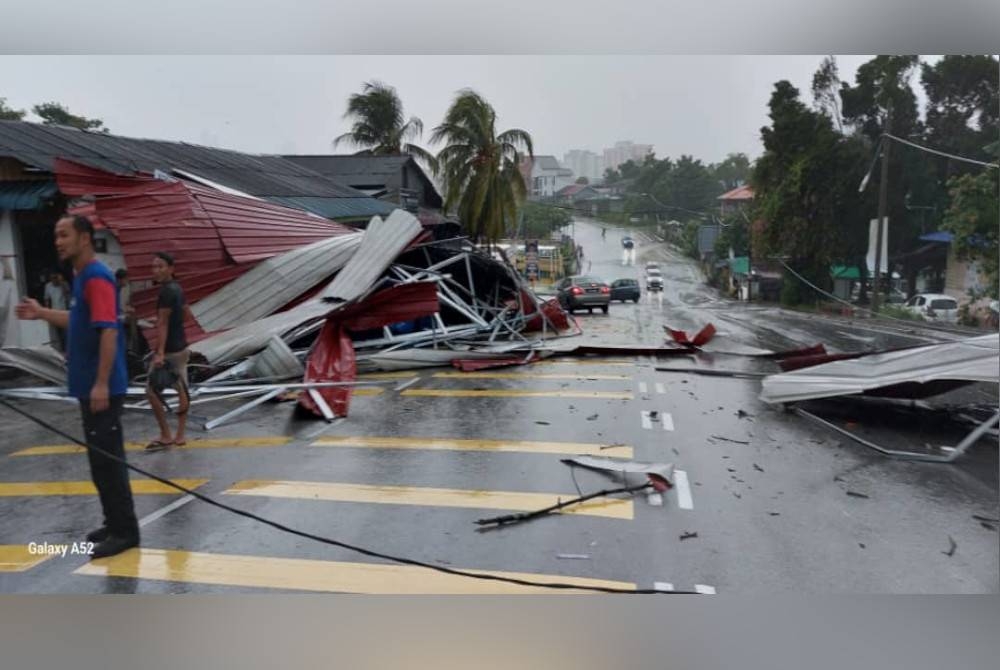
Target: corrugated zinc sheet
{"x": 338, "y": 208}
{"x": 382, "y": 242}
{"x": 274, "y": 283}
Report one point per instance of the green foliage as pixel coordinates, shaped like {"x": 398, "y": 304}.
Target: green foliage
{"x": 733, "y": 171}
{"x": 805, "y": 189}
{"x": 972, "y": 218}
{"x": 9, "y": 113}
{"x": 735, "y": 235}
{"x": 52, "y": 113}
{"x": 898, "y": 312}
{"x": 583, "y": 181}
{"x": 540, "y": 220}
{"x": 380, "y": 126}
{"x": 480, "y": 168}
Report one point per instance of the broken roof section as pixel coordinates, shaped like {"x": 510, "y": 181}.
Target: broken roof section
{"x": 382, "y": 243}
{"x": 975, "y": 359}
{"x": 271, "y": 177}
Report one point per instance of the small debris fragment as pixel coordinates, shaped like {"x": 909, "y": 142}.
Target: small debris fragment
{"x": 720, "y": 407}
{"x": 743, "y": 415}
{"x": 855, "y": 494}
{"x": 861, "y": 544}
{"x": 612, "y": 446}
{"x": 987, "y": 526}
{"x": 774, "y": 513}
{"x": 674, "y": 449}
{"x": 592, "y": 417}
{"x": 583, "y": 557}
{"x": 838, "y": 478}
{"x": 543, "y": 423}
{"x": 737, "y": 495}
{"x": 985, "y": 518}
{"x": 654, "y": 499}
{"x": 726, "y": 439}
{"x": 688, "y": 536}
{"x": 758, "y": 468}
{"x": 951, "y": 548}
{"x": 731, "y": 469}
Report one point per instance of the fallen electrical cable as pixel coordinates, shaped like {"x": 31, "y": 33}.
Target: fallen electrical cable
{"x": 521, "y": 517}
{"x": 325, "y": 540}
{"x": 732, "y": 374}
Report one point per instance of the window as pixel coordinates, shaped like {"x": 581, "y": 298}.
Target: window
{"x": 944, "y": 304}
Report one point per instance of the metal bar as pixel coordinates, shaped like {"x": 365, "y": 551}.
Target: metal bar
{"x": 242, "y": 409}
{"x": 321, "y": 404}
{"x": 908, "y": 455}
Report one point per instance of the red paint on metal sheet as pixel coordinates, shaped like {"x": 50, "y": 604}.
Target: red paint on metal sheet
{"x": 798, "y": 362}
{"x": 815, "y": 350}
{"x": 474, "y": 364}
{"x": 704, "y": 336}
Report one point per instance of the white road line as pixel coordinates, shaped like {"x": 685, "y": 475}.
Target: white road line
{"x": 660, "y": 388}
{"x": 643, "y": 388}
{"x": 684, "y": 500}
{"x": 705, "y": 589}
{"x": 647, "y": 423}
{"x": 403, "y": 385}
{"x": 663, "y": 586}
{"x": 166, "y": 509}
{"x": 668, "y": 421}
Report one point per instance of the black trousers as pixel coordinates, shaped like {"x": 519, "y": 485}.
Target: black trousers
{"x": 103, "y": 432}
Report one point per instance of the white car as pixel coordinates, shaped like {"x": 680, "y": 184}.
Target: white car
{"x": 934, "y": 307}
{"x": 654, "y": 282}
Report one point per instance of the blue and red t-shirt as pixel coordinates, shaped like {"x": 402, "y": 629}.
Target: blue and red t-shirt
{"x": 94, "y": 307}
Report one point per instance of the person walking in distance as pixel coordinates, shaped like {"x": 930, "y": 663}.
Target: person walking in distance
{"x": 57, "y": 298}
{"x": 97, "y": 378}
{"x": 171, "y": 350}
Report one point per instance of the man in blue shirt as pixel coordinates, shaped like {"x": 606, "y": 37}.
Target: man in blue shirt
{"x": 97, "y": 377}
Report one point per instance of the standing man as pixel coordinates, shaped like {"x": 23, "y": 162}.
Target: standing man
{"x": 57, "y": 298}
{"x": 171, "y": 349}
{"x": 97, "y": 378}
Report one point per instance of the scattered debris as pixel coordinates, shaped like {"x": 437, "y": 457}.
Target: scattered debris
{"x": 735, "y": 374}
{"x": 613, "y": 446}
{"x": 592, "y": 417}
{"x": 855, "y": 494}
{"x": 774, "y": 513}
{"x": 509, "y": 519}
{"x": 702, "y": 338}
{"x": 951, "y": 548}
{"x": 660, "y": 475}
{"x": 543, "y": 423}
{"x": 987, "y": 526}
{"x": 731, "y": 469}
{"x": 743, "y": 415}
{"x": 987, "y": 519}
{"x": 688, "y": 536}
{"x": 726, "y": 439}
{"x": 737, "y": 495}
{"x": 758, "y": 468}
{"x": 861, "y": 544}
{"x": 582, "y": 557}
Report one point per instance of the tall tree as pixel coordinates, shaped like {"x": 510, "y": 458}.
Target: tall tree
{"x": 479, "y": 166}
{"x": 733, "y": 171}
{"x": 972, "y": 218}
{"x": 690, "y": 185}
{"x": 805, "y": 190}
{"x": 9, "y": 113}
{"x": 379, "y": 125}
{"x": 53, "y": 113}
{"x": 826, "y": 90}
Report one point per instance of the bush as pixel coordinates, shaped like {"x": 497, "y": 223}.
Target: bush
{"x": 897, "y": 312}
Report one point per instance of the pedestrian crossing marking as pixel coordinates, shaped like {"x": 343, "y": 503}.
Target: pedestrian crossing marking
{"x": 139, "y": 487}
{"x": 17, "y": 558}
{"x": 437, "y": 443}
{"x": 523, "y": 375}
{"x": 614, "y": 508}
{"x": 299, "y": 574}
{"x": 512, "y": 393}
{"x": 218, "y": 443}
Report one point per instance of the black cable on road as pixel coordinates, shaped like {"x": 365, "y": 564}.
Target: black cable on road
{"x": 325, "y": 540}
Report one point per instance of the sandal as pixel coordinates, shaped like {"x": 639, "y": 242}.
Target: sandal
{"x": 158, "y": 445}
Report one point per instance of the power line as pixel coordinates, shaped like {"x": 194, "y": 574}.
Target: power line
{"x": 942, "y": 153}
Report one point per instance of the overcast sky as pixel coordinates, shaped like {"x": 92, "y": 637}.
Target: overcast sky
{"x": 706, "y": 106}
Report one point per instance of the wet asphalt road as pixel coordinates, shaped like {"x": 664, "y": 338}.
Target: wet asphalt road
{"x": 778, "y": 505}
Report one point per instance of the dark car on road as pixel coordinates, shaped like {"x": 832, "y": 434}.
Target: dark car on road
{"x": 625, "y": 290}
{"x": 583, "y": 292}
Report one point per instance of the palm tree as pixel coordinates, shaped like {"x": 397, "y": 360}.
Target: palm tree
{"x": 479, "y": 168}
{"x": 379, "y": 126}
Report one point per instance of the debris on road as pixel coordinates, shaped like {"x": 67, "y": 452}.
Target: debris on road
{"x": 660, "y": 475}
{"x": 702, "y": 338}
{"x": 726, "y": 439}
{"x": 951, "y": 547}
{"x": 758, "y": 468}
{"x": 987, "y": 519}
{"x": 687, "y": 536}
{"x": 581, "y": 557}
{"x": 855, "y": 494}
{"x": 520, "y": 517}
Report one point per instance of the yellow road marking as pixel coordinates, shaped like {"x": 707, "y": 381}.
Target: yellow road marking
{"x": 409, "y": 495}
{"x": 437, "y": 443}
{"x": 521, "y": 375}
{"x": 139, "y": 487}
{"x": 314, "y": 575}
{"x": 616, "y": 362}
{"x": 388, "y": 375}
{"x": 17, "y": 558}
{"x": 140, "y": 446}
{"x": 366, "y": 391}
{"x": 505, "y": 393}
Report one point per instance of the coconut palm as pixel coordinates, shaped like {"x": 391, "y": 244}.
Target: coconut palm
{"x": 479, "y": 168}
{"x": 379, "y": 125}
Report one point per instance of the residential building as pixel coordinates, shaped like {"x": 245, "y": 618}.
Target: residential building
{"x": 736, "y": 200}
{"x": 546, "y": 176}
{"x": 577, "y": 192}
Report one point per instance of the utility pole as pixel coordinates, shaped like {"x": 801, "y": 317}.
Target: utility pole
{"x": 883, "y": 197}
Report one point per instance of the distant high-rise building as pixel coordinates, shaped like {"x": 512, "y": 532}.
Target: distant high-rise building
{"x": 625, "y": 151}
{"x": 584, "y": 163}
